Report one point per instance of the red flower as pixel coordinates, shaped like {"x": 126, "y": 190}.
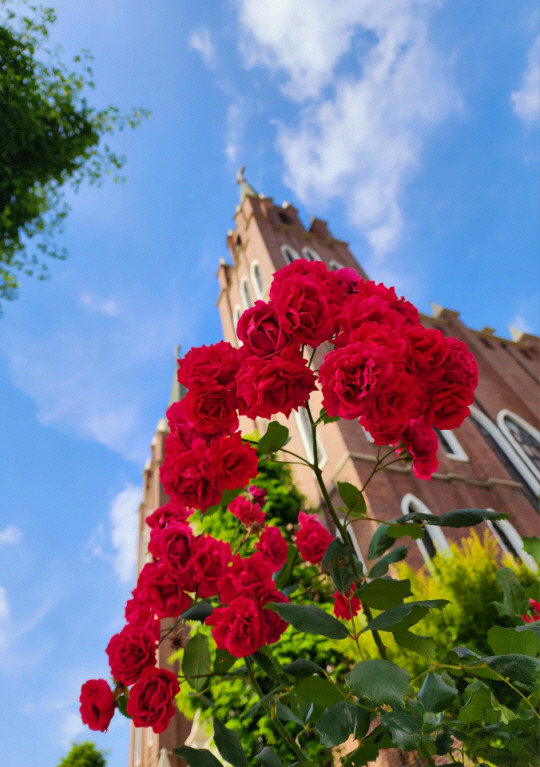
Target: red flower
{"x": 274, "y": 547}
{"x": 422, "y": 443}
{"x": 428, "y": 352}
{"x": 238, "y": 628}
{"x": 257, "y": 493}
{"x": 169, "y": 512}
{"x": 209, "y": 560}
{"x": 162, "y": 591}
{"x": 260, "y": 331}
{"x": 209, "y": 365}
{"x": 302, "y": 303}
{"x": 151, "y": 699}
{"x": 138, "y": 613}
{"x": 211, "y": 409}
{"x": 250, "y": 576}
{"x": 247, "y": 512}
{"x": 391, "y": 407}
{"x": 346, "y": 604}
{"x": 234, "y": 461}
{"x": 312, "y": 539}
{"x": 172, "y": 545}
{"x": 190, "y": 477}
{"x": 533, "y": 613}
{"x": 129, "y": 652}
{"x": 278, "y": 384}
{"x": 97, "y": 704}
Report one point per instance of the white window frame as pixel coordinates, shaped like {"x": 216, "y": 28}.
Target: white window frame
{"x": 526, "y": 426}
{"x": 305, "y": 436}
{"x": 310, "y": 254}
{"x": 515, "y": 539}
{"x": 260, "y": 290}
{"x": 457, "y": 452}
{"x": 137, "y": 747}
{"x": 507, "y": 449}
{"x": 410, "y": 503}
{"x": 368, "y": 435}
{"x": 237, "y": 313}
{"x": 245, "y": 294}
{"x": 293, "y": 253}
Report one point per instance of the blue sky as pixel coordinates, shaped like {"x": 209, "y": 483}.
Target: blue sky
{"x": 410, "y": 125}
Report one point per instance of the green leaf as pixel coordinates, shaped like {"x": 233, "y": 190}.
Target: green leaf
{"x": 269, "y": 758}
{"x": 532, "y": 546}
{"x": 380, "y": 541}
{"x": 302, "y": 667}
{"x": 285, "y": 713}
{"x": 228, "y": 744}
{"x": 310, "y": 620}
{"x": 325, "y": 418}
{"x": 284, "y": 575}
{"x": 379, "y": 680}
{"x": 457, "y": 518}
{"x": 318, "y": 691}
{"x": 404, "y": 616}
{"x": 381, "y": 567}
{"x": 377, "y": 740}
{"x": 266, "y": 661}
{"x": 519, "y": 669}
{"x": 227, "y": 497}
{"x": 508, "y": 640}
{"x": 383, "y": 593}
{"x": 405, "y": 729}
{"x": 337, "y": 723}
{"x": 276, "y": 436}
{"x": 196, "y": 664}
{"x": 422, "y": 645}
{"x": 435, "y": 694}
{"x": 515, "y": 602}
{"x": 223, "y": 661}
{"x": 352, "y": 497}
{"x": 475, "y": 707}
{"x": 443, "y": 743}
{"x": 121, "y": 702}
{"x": 197, "y": 757}
{"x": 410, "y": 529}
{"x": 197, "y": 612}
{"x": 341, "y": 563}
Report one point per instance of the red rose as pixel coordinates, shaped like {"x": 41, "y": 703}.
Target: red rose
{"x": 428, "y": 352}
{"x": 162, "y": 591}
{"x": 303, "y": 305}
{"x": 392, "y": 406}
{"x": 347, "y": 604}
{"x": 129, "y": 652}
{"x": 238, "y": 628}
{"x": 350, "y": 378}
{"x": 533, "y": 613}
{"x": 172, "y": 545}
{"x": 260, "y": 331}
{"x": 278, "y": 384}
{"x": 247, "y": 512}
{"x": 209, "y": 560}
{"x": 257, "y": 493}
{"x": 209, "y": 365}
{"x": 151, "y": 699}
{"x": 211, "y": 409}
{"x": 138, "y": 613}
{"x": 250, "y": 576}
{"x": 235, "y": 462}
{"x": 460, "y": 365}
{"x": 312, "y": 539}
{"x": 274, "y": 547}
{"x": 183, "y": 433}
{"x": 169, "y": 512}
{"x": 422, "y": 443}
{"x": 449, "y": 405}
{"x": 190, "y": 477}
{"x": 97, "y": 704}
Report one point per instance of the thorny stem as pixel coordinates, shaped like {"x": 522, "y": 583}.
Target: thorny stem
{"x": 275, "y": 721}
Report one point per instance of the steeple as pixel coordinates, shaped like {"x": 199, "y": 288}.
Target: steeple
{"x": 246, "y": 190}
{"x": 178, "y": 391}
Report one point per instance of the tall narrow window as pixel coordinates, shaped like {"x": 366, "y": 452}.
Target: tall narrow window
{"x": 246, "y": 295}
{"x": 434, "y": 540}
{"x": 237, "y": 313}
{"x": 257, "y": 280}
{"x": 451, "y": 446}
{"x": 310, "y": 254}
{"x": 523, "y": 437}
{"x": 289, "y": 254}
{"x": 304, "y": 429}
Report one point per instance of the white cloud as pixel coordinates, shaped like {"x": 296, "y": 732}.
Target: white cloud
{"x": 70, "y": 726}
{"x": 101, "y": 306}
{"x": 359, "y": 135}
{"x": 9, "y": 536}
{"x": 526, "y": 101}
{"x": 124, "y": 531}
{"x": 201, "y": 42}
{"x": 234, "y": 132}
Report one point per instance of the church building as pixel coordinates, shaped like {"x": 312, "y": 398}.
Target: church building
{"x": 491, "y": 462}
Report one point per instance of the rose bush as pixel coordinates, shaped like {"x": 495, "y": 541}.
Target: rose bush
{"x": 364, "y": 348}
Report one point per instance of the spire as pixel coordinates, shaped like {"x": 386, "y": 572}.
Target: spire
{"x": 246, "y": 190}
{"x": 178, "y": 391}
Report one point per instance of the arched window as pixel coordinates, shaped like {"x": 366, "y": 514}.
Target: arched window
{"x": 507, "y": 455}
{"x": 289, "y": 254}
{"x": 523, "y": 437}
{"x": 246, "y": 295}
{"x": 304, "y": 429}
{"x": 237, "y": 313}
{"x": 510, "y": 541}
{"x": 451, "y": 446}
{"x": 257, "y": 280}
{"x": 310, "y": 254}
{"x": 434, "y": 540}
{"x": 335, "y": 265}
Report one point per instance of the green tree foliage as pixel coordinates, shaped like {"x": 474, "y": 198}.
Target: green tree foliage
{"x": 84, "y": 755}
{"x": 49, "y": 135}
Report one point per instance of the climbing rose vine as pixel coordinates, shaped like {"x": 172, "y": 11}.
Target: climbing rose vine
{"x": 365, "y": 350}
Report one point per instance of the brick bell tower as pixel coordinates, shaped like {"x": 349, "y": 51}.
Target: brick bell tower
{"x": 492, "y": 461}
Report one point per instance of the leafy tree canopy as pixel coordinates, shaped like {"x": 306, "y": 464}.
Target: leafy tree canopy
{"x": 84, "y": 755}
{"x": 49, "y": 135}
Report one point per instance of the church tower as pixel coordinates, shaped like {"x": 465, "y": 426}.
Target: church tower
{"x": 492, "y": 461}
